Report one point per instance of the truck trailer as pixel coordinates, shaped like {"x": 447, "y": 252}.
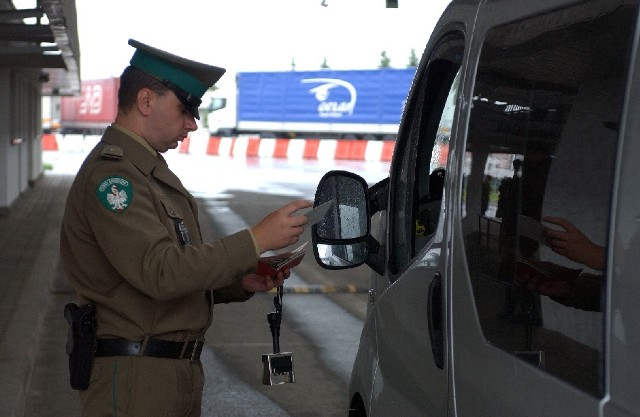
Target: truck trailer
{"x": 93, "y": 110}
{"x": 350, "y": 104}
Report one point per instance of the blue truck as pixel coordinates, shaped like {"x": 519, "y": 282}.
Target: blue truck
{"x": 353, "y": 104}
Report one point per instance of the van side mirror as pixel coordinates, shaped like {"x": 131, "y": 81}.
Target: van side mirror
{"x": 340, "y": 239}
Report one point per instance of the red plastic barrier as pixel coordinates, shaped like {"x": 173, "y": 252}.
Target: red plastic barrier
{"x": 311, "y": 149}
{"x": 49, "y": 142}
{"x": 281, "y": 147}
{"x": 358, "y": 149}
{"x": 343, "y": 149}
{"x": 387, "y": 150}
{"x": 253, "y": 147}
{"x": 184, "y": 145}
{"x": 213, "y": 147}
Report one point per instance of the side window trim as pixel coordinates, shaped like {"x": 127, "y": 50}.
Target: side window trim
{"x": 446, "y": 54}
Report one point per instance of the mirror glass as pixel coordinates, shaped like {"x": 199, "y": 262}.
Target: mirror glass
{"x": 342, "y": 255}
{"x": 347, "y": 217}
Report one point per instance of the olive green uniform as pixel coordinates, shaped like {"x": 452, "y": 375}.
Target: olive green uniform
{"x": 132, "y": 246}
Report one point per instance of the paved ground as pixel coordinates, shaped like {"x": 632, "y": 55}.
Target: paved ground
{"x": 33, "y": 293}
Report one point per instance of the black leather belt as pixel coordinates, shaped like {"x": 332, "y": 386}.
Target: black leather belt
{"x": 155, "y": 348}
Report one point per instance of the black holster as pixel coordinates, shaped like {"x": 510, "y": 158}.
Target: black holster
{"x": 81, "y": 343}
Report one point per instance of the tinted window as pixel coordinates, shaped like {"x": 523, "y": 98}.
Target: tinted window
{"x": 541, "y": 150}
{"x": 418, "y": 173}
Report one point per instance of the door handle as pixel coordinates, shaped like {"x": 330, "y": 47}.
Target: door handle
{"x": 436, "y": 320}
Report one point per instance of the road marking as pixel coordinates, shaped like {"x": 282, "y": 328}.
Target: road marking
{"x": 322, "y": 289}
{"x": 334, "y": 331}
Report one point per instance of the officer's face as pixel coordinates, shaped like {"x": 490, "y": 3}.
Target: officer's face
{"x": 170, "y": 122}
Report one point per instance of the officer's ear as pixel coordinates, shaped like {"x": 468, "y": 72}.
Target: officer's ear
{"x": 143, "y": 101}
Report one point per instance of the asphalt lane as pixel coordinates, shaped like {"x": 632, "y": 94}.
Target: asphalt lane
{"x": 321, "y": 334}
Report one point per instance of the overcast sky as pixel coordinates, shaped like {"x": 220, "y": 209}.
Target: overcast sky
{"x": 255, "y": 35}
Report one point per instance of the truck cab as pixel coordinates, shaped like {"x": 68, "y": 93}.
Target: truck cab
{"x": 218, "y": 109}
{"x": 505, "y": 244}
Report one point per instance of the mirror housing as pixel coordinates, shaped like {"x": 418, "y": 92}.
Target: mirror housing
{"x": 342, "y": 239}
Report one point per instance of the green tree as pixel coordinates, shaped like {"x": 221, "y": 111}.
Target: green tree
{"x": 324, "y": 64}
{"x": 293, "y": 64}
{"x": 385, "y": 61}
{"x": 413, "y": 59}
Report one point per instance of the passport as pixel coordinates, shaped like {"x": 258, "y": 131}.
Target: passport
{"x": 271, "y": 265}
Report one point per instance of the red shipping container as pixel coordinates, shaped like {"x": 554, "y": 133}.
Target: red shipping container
{"x": 93, "y": 110}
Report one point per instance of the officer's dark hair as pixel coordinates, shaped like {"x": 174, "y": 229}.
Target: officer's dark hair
{"x": 133, "y": 80}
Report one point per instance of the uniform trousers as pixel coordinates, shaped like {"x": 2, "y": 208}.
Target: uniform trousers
{"x": 134, "y": 386}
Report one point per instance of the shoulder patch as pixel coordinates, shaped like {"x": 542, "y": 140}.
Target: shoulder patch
{"x": 115, "y": 193}
{"x": 112, "y": 152}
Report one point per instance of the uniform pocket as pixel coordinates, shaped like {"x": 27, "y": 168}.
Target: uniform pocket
{"x": 170, "y": 208}
{"x": 176, "y": 220}
{"x": 109, "y": 391}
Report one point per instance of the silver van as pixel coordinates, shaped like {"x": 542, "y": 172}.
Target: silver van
{"x": 505, "y": 244}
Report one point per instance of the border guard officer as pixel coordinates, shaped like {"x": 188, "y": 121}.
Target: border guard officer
{"x": 132, "y": 248}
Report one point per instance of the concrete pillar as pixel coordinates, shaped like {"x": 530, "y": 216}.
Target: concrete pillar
{"x": 6, "y": 152}
{"x": 20, "y": 131}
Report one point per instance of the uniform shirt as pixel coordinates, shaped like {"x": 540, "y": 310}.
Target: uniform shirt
{"x": 131, "y": 245}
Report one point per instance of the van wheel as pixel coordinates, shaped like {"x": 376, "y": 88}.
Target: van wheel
{"x": 357, "y": 407}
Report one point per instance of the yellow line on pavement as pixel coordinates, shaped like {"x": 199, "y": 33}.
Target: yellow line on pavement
{"x": 322, "y": 289}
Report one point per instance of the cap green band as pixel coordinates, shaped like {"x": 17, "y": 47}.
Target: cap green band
{"x": 164, "y": 70}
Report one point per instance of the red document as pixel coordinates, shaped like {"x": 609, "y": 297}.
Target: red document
{"x": 271, "y": 265}
{"x": 544, "y": 269}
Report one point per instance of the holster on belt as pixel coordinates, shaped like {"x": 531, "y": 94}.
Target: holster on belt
{"x": 81, "y": 343}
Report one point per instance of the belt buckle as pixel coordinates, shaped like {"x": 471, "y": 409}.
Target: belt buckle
{"x": 197, "y": 349}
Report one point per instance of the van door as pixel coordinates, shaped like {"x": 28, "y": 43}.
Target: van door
{"x": 624, "y": 292}
{"x": 528, "y": 309}
{"x": 412, "y": 374}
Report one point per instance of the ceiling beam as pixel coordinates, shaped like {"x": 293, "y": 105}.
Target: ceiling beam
{"x": 31, "y": 61}
{"x": 13, "y": 15}
{"x": 28, "y": 49}
{"x": 25, "y": 33}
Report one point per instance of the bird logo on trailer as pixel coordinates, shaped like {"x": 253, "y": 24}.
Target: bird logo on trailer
{"x": 327, "y": 108}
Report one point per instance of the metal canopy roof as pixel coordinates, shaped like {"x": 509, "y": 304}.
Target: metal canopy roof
{"x": 48, "y": 40}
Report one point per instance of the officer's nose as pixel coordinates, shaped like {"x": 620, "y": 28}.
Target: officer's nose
{"x": 190, "y": 123}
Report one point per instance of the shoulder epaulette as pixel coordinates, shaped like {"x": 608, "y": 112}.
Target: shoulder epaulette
{"x": 112, "y": 152}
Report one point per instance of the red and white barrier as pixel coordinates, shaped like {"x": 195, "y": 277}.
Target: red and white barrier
{"x": 71, "y": 143}
{"x": 253, "y": 146}
{"x": 322, "y": 149}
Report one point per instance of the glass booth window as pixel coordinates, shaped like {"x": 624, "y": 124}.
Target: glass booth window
{"x": 540, "y": 153}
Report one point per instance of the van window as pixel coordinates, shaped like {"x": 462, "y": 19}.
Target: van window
{"x": 419, "y": 171}
{"x": 541, "y": 146}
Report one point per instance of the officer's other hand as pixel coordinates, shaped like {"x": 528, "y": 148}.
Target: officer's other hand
{"x": 573, "y": 244}
{"x": 281, "y": 228}
{"x": 258, "y": 283}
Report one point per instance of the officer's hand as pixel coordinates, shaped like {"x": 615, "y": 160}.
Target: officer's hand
{"x": 573, "y": 244}
{"x": 258, "y": 283}
{"x": 281, "y": 228}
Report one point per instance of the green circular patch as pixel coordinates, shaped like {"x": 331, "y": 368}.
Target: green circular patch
{"x": 115, "y": 194}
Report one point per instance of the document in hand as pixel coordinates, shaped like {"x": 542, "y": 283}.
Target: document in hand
{"x": 531, "y": 228}
{"x": 317, "y": 213}
{"x": 271, "y": 265}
